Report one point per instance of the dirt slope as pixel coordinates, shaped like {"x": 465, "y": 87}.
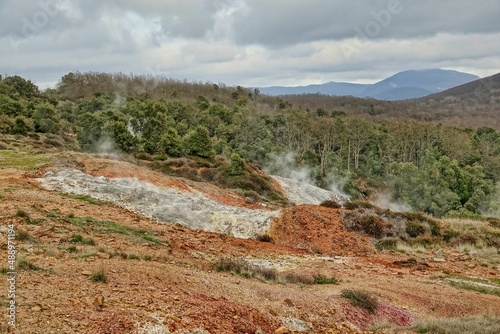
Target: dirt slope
{"x": 160, "y": 276}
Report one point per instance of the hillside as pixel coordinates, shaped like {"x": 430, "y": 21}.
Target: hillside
{"x": 90, "y": 264}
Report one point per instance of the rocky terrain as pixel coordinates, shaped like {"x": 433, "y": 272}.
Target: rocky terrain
{"x": 108, "y": 246}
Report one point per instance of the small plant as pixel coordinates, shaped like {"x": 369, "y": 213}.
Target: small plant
{"x": 78, "y": 239}
{"x": 22, "y": 214}
{"x": 414, "y": 229}
{"x": 71, "y": 249}
{"x": 25, "y": 264}
{"x": 148, "y": 257}
{"x": 387, "y": 244}
{"x": 331, "y": 204}
{"x": 264, "y": 238}
{"x": 321, "y": 279}
{"x": 22, "y": 235}
{"x": 4, "y": 270}
{"x": 352, "y": 205}
{"x": 100, "y": 275}
{"x": 132, "y": 257}
{"x": 361, "y": 299}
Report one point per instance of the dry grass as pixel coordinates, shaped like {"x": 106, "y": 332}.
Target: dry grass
{"x": 465, "y": 325}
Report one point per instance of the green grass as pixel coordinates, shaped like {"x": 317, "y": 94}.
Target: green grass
{"x": 83, "y": 198}
{"x": 105, "y": 226}
{"x": 21, "y": 160}
{"x": 4, "y": 270}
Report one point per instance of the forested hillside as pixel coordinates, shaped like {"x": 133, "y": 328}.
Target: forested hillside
{"x": 225, "y": 132}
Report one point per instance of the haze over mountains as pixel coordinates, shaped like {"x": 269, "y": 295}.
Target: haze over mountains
{"x": 401, "y": 86}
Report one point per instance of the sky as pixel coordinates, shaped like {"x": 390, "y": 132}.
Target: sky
{"x": 253, "y": 43}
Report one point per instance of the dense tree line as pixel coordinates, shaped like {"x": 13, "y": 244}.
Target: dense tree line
{"x": 439, "y": 169}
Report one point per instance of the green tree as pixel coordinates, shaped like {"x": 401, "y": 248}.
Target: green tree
{"x": 46, "y": 118}
{"x": 171, "y": 143}
{"x": 197, "y": 142}
{"x": 236, "y": 165}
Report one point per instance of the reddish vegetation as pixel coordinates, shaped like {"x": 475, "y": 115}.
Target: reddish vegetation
{"x": 318, "y": 229}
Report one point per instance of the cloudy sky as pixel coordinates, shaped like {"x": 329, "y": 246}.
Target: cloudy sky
{"x": 248, "y": 42}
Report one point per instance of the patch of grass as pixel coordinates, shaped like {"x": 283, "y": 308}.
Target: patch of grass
{"x": 479, "y": 324}
{"x": 4, "y": 270}
{"x": 104, "y": 226}
{"x": 22, "y": 214}
{"x": 2, "y": 197}
{"x": 71, "y": 249}
{"x": 22, "y": 235}
{"x": 241, "y": 267}
{"x": 133, "y": 256}
{"x": 83, "y": 198}
{"x": 331, "y": 204}
{"x": 387, "y": 244}
{"x": 21, "y": 160}
{"x": 352, "y": 205}
{"x": 480, "y": 287}
{"x": 26, "y": 264}
{"x": 86, "y": 255}
{"x": 321, "y": 279}
{"x": 361, "y": 299}
{"x": 78, "y": 239}
{"x": 99, "y": 276}
{"x": 148, "y": 257}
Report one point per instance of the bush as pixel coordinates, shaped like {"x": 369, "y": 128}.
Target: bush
{"x": 331, "y": 204}
{"x": 361, "y": 299}
{"x": 352, "y": 205}
{"x": 25, "y": 264}
{"x": 264, "y": 238}
{"x": 387, "y": 244}
{"x": 99, "y": 276}
{"x": 414, "y": 229}
{"x": 321, "y": 279}
{"x": 372, "y": 225}
{"x": 78, "y": 239}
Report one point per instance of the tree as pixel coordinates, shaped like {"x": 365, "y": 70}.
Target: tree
{"x": 171, "y": 143}
{"x": 198, "y": 142}
{"x": 237, "y": 165}
{"x": 46, "y": 118}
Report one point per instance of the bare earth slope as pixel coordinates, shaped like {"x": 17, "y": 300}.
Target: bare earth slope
{"x": 160, "y": 276}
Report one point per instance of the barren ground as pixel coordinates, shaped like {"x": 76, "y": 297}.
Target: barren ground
{"x": 170, "y": 283}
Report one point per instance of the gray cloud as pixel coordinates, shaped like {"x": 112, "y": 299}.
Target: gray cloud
{"x": 248, "y": 42}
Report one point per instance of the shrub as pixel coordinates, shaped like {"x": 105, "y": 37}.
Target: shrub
{"x": 99, "y": 276}
{"x": 78, "y": 239}
{"x": 361, "y": 299}
{"x": 373, "y": 226}
{"x": 331, "y": 204}
{"x": 450, "y": 234}
{"x": 22, "y": 235}
{"x": 25, "y": 264}
{"x": 321, "y": 279}
{"x": 22, "y": 214}
{"x": 264, "y": 238}
{"x": 387, "y": 244}
{"x": 414, "y": 229}
{"x": 352, "y": 205}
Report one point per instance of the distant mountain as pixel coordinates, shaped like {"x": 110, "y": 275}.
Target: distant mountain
{"x": 329, "y": 88}
{"x": 401, "y": 86}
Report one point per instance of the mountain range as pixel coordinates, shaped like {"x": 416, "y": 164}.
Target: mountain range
{"x": 401, "y": 86}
